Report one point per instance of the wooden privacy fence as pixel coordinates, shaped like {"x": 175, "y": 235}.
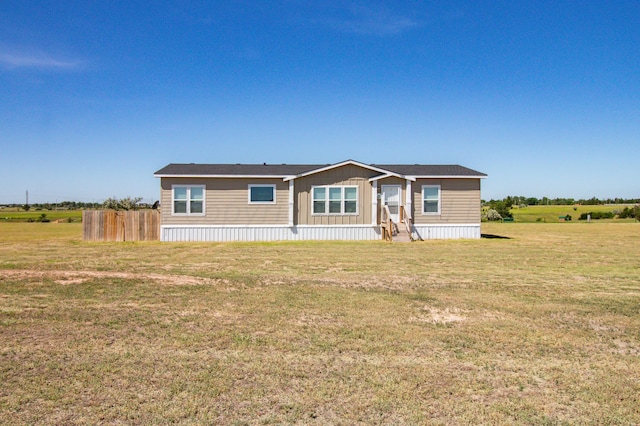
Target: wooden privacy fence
{"x": 112, "y": 225}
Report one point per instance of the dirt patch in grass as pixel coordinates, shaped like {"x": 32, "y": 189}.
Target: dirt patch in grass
{"x": 79, "y": 277}
{"x": 439, "y": 316}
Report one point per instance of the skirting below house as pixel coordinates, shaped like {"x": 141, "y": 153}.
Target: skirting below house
{"x": 447, "y": 232}
{"x": 305, "y": 232}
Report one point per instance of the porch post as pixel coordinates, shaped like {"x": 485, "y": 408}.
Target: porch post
{"x": 374, "y": 203}
{"x": 408, "y": 203}
{"x": 291, "y": 202}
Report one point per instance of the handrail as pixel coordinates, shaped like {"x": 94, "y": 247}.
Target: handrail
{"x": 387, "y": 224}
{"x": 407, "y": 221}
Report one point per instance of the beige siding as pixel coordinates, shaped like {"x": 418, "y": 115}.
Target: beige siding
{"x": 345, "y": 175}
{"x": 227, "y": 203}
{"x": 460, "y": 201}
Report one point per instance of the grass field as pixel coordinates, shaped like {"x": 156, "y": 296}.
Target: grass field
{"x": 550, "y": 214}
{"x": 19, "y": 215}
{"x": 539, "y": 327}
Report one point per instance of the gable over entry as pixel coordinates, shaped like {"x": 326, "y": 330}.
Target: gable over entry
{"x": 345, "y": 201}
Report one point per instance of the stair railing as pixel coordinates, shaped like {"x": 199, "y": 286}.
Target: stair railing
{"x": 408, "y": 222}
{"x": 386, "y": 224}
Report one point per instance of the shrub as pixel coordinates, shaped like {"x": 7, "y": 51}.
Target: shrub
{"x": 127, "y": 203}
{"x": 42, "y": 218}
{"x": 501, "y": 207}
{"x": 630, "y": 212}
{"x": 597, "y": 215}
{"x": 625, "y": 213}
{"x": 492, "y": 215}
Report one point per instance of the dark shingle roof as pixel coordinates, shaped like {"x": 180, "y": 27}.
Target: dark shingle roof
{"x": 429, "y": 170}
{"x": 237, "y": 169}
{"x": 193, "y": 169}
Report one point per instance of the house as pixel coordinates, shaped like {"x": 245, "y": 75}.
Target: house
{"x": 344, "y": 201}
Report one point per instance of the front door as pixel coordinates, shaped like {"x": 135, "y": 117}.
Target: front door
{"x": 391, "y": 197}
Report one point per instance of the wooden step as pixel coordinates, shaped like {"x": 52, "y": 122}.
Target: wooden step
{"x": 401, "y": 235}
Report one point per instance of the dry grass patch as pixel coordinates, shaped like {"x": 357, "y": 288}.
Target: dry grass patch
{"x": 540, "y": 328}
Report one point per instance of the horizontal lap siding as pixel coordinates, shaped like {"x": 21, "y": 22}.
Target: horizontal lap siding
{"x": 460, "y": 201}
{"x": 348, "y": 175}
{"x": 227, "y": 203}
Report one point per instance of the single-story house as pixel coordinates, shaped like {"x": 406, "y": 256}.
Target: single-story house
{"x": 344, "y": 201}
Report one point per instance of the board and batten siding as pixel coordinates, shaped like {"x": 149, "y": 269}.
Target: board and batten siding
{"x": 227, "y": 202}
{"x": 460, "y": 201}
{"x": 348, "y": 175}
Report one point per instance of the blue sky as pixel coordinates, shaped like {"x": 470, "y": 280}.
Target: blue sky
{"x": 96, "y": 96}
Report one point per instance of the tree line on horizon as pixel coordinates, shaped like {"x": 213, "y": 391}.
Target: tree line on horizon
{"x": 127, "y": 203}
{"x": 516, "y": 200}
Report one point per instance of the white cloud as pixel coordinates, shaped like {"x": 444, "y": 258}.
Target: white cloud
{"x": 35, "y": 60}
{"x": 374, "y": 21}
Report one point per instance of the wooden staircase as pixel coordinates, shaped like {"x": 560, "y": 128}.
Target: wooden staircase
{"x": 400, "y": 233}
{"x": 396, "y": 232}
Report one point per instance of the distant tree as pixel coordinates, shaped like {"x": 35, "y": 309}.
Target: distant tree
{"x": 510, "y": 201}
{"x": 502, "y": 207}
{"x": 43, "y": 218}
{"x": 591, "y": 202}
{"x": 26, "y": 207}
{"x": 127, "y": 203}
{"x": 531, "y": 201}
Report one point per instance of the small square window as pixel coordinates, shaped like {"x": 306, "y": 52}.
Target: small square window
{"x": 262, "y": 194}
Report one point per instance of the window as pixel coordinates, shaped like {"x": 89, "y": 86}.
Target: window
{"x": 188, "y": 200}
{"x": 262, "y": 194}
{"x": 350, "y": 200}
{"x": 431, "y": 199}
{"x": 334, "y": 199}
{"x": 319, "y": 200}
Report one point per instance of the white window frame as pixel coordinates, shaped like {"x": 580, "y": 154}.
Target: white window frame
{"x": 439, "y": 200}
{"x": 188, "y": 200}
{"x": 342, "y": 200}
{"x": 264, "y": 185}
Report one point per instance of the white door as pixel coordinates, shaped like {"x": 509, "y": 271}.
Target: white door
{"x": 391, "y": 197}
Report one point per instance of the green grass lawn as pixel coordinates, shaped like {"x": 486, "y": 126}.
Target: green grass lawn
{"x": 16, "y": 215}
{"x": 541, "y": 326}
{"x": 550, "y": 214}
